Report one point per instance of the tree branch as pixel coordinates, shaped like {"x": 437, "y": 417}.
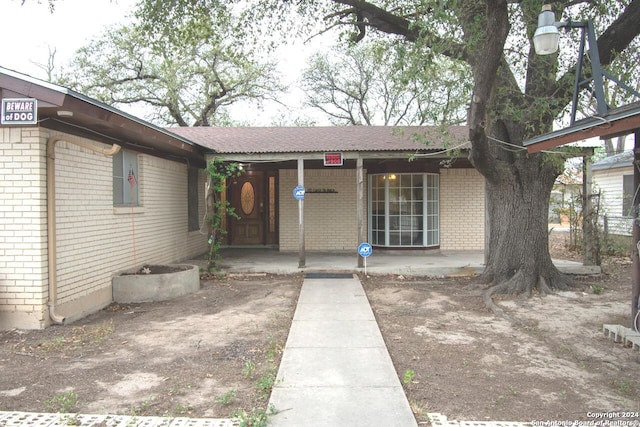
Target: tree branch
{"x": 387, "y": 22}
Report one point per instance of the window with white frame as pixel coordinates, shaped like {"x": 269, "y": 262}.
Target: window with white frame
{"x": 192, "y": 198}
{"x": 404, "y": 210}
{"x": 125, "y": 179}
{"x": 628, "y": 194}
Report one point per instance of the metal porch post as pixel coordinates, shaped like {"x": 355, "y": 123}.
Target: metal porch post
{"x": 301, "y": 252}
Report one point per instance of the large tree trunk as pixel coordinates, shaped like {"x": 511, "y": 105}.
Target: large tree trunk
{"x": 518, "y": 250}
{"x": 518, "y": 184}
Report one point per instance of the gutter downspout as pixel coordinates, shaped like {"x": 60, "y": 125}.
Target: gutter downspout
{"x": 51, "y": 215}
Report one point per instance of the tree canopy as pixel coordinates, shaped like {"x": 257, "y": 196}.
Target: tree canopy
{"x": 376, "y": 84}
{"x": 188, "y": 77}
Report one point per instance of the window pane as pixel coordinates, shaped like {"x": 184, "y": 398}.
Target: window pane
{"x": 132, "y": 181}
{"x": 126, "y": 179}
{"x": 272, "y": 204}
{"x": 192, "y": 199}
{"x": 247, "y": 198}
{"x": 627, "y": 195}
{"x": 401, "y": 206}
{"x": 118, "y": 179}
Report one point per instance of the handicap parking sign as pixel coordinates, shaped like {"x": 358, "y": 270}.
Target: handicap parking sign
{"x": 298, "y": 192}
{"x": 364, "y": 250}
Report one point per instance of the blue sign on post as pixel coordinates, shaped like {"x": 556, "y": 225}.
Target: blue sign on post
{"x": 364, "y": 250}
{"x": 298, "y": 192}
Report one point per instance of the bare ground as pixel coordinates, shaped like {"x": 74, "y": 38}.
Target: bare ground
{"x": 215, "y": 352}
{"x": 208, "y": 354}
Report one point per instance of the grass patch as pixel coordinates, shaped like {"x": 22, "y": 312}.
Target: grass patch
{"x": 257, "y": 417}
{"x": 63, "y": 403}
{"x": 227, "y": 398}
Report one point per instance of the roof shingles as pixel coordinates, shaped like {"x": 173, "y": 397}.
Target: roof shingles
{"x": 249, "y": 140}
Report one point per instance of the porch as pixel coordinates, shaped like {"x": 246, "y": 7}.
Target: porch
{"x": 406, "y": 263}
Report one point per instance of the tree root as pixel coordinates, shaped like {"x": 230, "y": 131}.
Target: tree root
{"x": 520, "y": 284}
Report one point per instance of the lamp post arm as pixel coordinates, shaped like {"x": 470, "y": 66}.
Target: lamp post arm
{"x": 595, "y": 82}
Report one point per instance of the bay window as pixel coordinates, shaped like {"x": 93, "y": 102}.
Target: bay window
{"x": 404, "y": 210}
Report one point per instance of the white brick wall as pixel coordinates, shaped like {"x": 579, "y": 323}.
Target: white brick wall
{"x": 462, "y": 209}
{"x": 330, "y": 218}
{"x": 94, "y": 239}
{"x": 23, "y": 232}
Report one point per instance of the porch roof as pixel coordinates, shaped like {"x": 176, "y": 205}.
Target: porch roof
{"x": 263, "y": 140}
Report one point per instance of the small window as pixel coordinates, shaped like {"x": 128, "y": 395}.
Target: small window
{"x": 247, "y": 198}
{"x": 192, "y": 195}
{"x": 628, "y": 192}
{"x": 126, "y": 180}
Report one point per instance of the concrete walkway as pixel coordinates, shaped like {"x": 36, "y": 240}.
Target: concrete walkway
{"x": 336, "y": 370}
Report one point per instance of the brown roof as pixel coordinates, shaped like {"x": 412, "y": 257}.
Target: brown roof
{"x": 94, "y": 119}
{"x": 248, "y": 140}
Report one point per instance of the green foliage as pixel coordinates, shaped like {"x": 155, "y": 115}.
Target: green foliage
{"x": 220, "y": 173}
{"x": 257, "y": 417}
{"x": 227, "y": 398}
{"x": 186, "y": 71}
{"x": 616, "y": 245}
{"x": 249, "y": 369}
{"x": 63, "y": 403}
{"x": 408, "y": 377}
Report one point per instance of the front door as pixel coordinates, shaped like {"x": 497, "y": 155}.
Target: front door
{"x": 247, "y": 197}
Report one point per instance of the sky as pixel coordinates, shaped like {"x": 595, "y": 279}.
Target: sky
{"x": 29, "y": 30}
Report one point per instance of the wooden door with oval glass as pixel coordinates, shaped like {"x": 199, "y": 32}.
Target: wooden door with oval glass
{"x": 247, "y": 197}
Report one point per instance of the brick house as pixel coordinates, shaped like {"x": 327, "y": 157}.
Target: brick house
{"x": 415, "y": 193}
{"x": 87, "y": 190}
{"x": 68, "y": 213}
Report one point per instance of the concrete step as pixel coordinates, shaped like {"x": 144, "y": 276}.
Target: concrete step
{"x": 620, "y": 334}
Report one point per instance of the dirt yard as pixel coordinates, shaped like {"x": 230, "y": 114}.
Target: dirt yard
{"x": 210, "y": 354}
{"x": 215, "y": 353}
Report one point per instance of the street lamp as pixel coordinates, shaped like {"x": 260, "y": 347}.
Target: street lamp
{"x": 547, "y": 36}
{"x": 545, "y": 42}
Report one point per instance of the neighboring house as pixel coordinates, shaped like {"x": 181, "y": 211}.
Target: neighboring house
{"x": 87, "y": 191}
{"x": 613, "y": 177}
{"x": 566, "y": 189}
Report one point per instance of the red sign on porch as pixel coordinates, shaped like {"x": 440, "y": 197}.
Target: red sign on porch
{"x": 333, "y": 159}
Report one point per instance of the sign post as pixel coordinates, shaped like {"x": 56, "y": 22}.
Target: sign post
{"x": 365, "y": 250}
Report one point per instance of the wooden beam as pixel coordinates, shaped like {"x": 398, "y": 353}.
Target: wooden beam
{"x": 599, "y": 129}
